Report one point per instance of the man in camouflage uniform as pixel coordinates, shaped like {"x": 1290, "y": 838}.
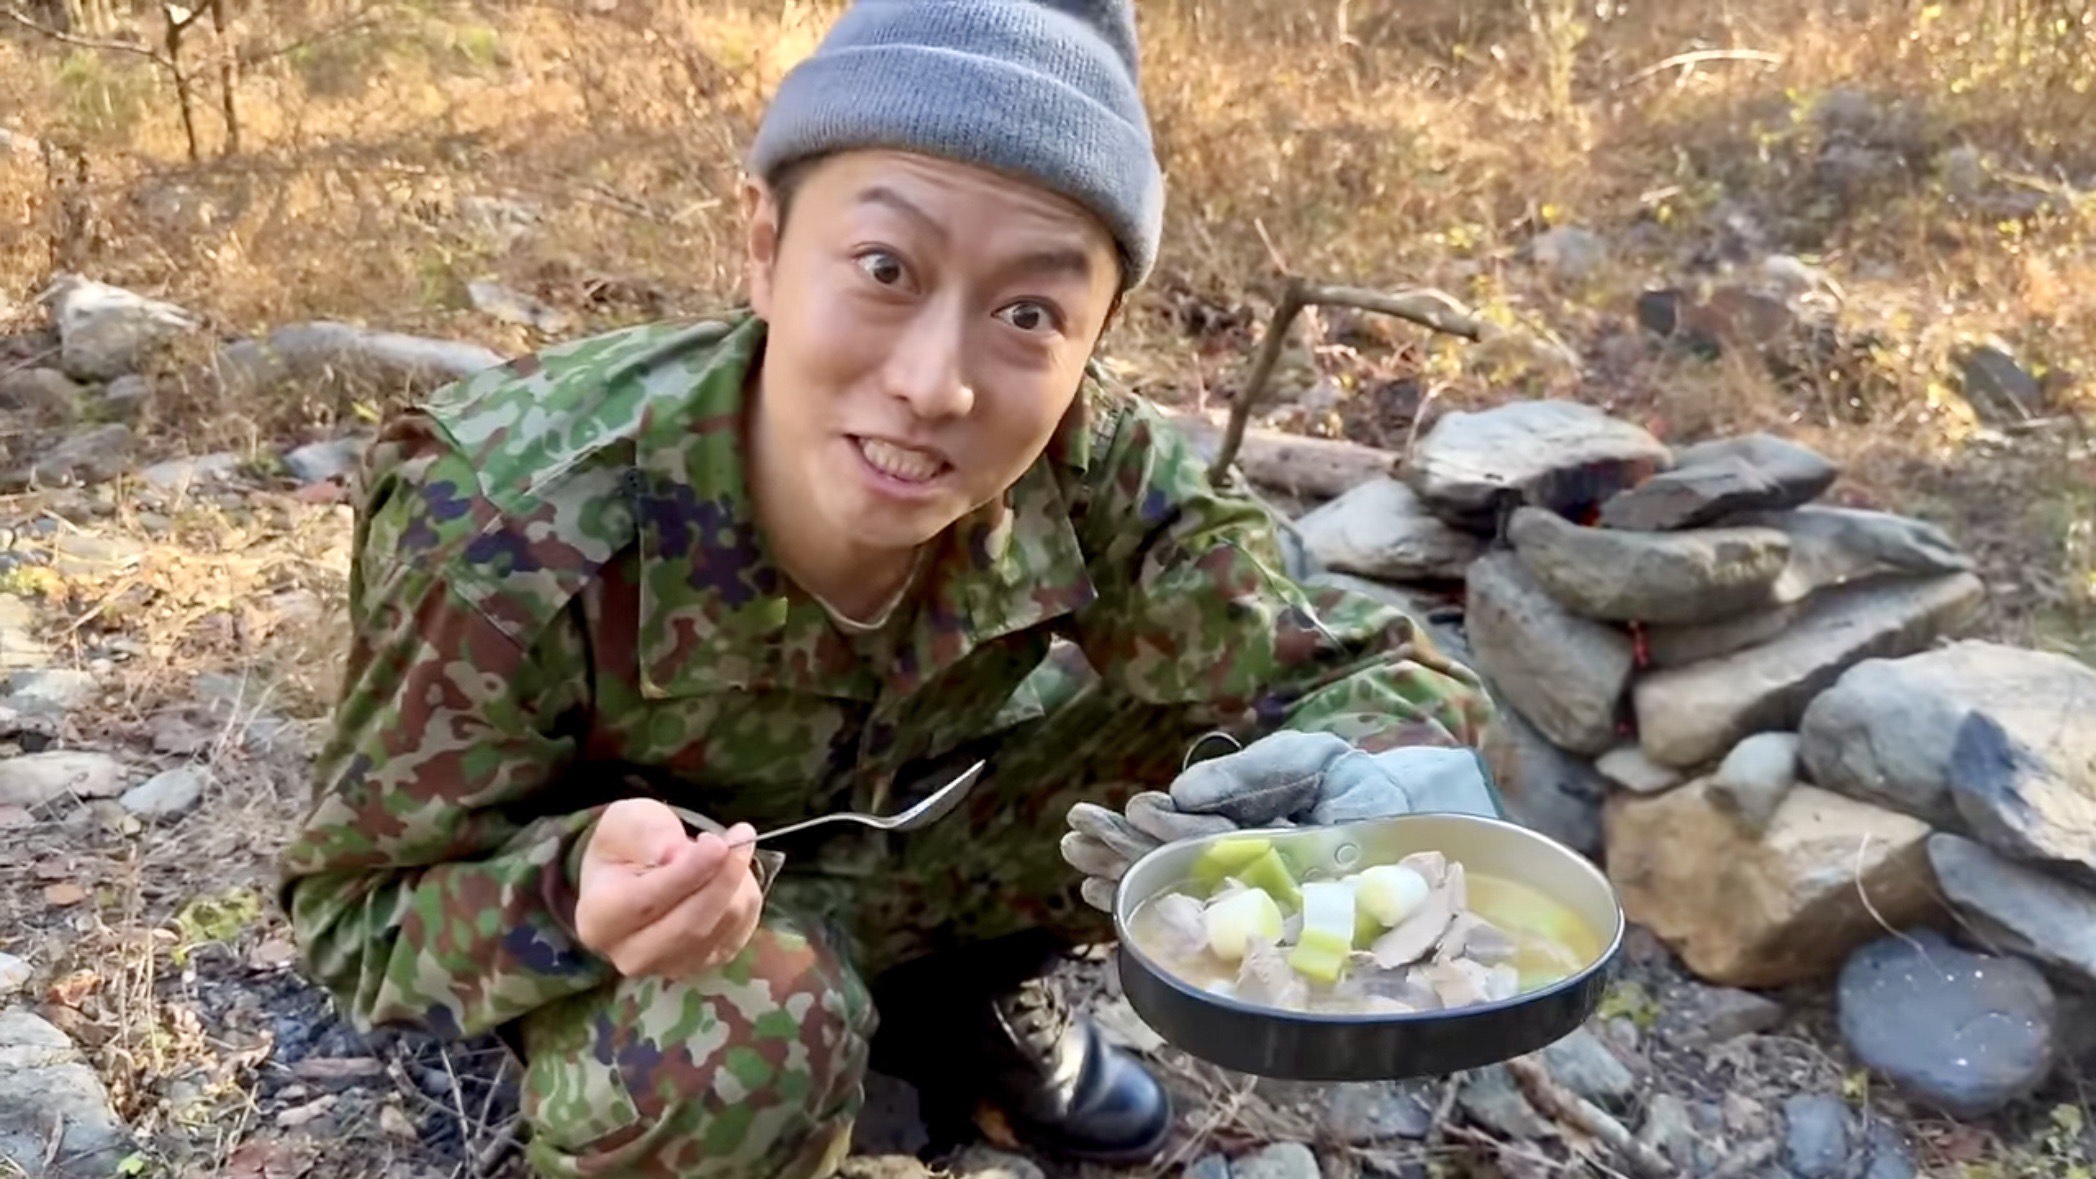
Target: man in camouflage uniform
{"x": 647, "y": 571}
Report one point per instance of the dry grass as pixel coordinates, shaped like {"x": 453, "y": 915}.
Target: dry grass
{"x": 1927, "y": 156}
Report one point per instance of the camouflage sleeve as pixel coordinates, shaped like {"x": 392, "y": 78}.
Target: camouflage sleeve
{"x": 1194, "y": 609}
{"x": 416, "y": 894}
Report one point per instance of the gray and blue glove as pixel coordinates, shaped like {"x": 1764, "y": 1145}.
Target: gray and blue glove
{"x": 1284, "y": 779}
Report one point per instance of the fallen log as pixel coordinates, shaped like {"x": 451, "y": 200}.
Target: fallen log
{"x": 1311, "y": 468}
{"x": 325, "y": 350}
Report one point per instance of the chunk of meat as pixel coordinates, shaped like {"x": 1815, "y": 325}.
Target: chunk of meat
{"x": 1366, "y": 979}
{"x": 1502, "y": 982}
{"x": 1180, "y": 930}
{"x": 1417, "y": 934}
{"x": 1458, "y": 889}
{"x": 1266, "y": 979}
{"x": 1430, "y": 864}
{"x": 1459, "y": 983}
{"x": 1471, "y": 936}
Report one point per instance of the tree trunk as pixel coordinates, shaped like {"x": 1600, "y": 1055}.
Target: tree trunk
{"x": 228, "y": 79}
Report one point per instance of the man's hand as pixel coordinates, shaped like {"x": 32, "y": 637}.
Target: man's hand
{"x": 1284, "y": 779}
{"x": 655, "y": 901}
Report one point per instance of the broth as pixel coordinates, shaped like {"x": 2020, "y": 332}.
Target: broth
{"x": 1548, "y": 943}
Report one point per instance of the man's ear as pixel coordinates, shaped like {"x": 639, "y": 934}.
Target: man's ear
{"x": 760, "y": 215}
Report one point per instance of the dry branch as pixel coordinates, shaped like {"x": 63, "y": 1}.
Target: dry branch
{"x": 1589, "y": 1118}
{"x": 23, "y": 19}
{"x": 1427, "y": 308}
{"x": 1697, "y": 58}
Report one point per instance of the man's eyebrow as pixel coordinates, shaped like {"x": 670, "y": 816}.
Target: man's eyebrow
{"x": 1056, "y": 260}
{"x": 881, "y": 194}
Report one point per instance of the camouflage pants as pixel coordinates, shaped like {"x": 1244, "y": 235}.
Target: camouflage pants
{"x": 756, "y": 1071}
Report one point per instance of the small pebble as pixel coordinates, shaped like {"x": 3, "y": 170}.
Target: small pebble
{"x": 1366, "y": 1113}
{"x": 1583, "y": 1064}
{"x": 1208, "y": 1166}
{"x": 1670, "y": 1130}
{"x": 982, "y": 1162}
{"x": 434, "y": 1081}
{"x": 14, "y": 974}
{"x": 1744, "y": 1116}
{"x": 166, "y": 795}
{"x": 1282, "y": 1160}
{"x": 1889, "y": 1155}
{"x": 1816, "y": 1139}
{"x": 1490, "y": 1098}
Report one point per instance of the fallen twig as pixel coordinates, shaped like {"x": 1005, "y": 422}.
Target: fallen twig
{"x": 1438, "y": 1130}
{"x": 1698, "y": 57}
{"x": 487, "y": 1160}
{"x": 23, "y": 19}
{"x": 1577, "y": 1111}
{"x": 1502, "y": 1147}
{"x": 1428, "y": 308}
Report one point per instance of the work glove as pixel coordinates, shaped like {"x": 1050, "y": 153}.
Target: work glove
{"x": 1284, "y": 779}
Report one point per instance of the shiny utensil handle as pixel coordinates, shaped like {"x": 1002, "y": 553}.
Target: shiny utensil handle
{"x": 766, "y": 863}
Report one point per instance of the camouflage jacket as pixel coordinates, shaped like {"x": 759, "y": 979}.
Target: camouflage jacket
{"x": 556, "y": 566}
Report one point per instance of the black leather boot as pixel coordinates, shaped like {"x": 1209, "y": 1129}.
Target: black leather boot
{"x": 961, "y": 1034}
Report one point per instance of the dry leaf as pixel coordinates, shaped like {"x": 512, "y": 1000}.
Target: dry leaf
{"x": 266, "y": 1158}
{"x": 70, "y": 990}
{"x": 12, "y": 816}
{"x": 53, "y": 868}
{"x": 273, "y": 955}
{"x": 62, "y": 895}
{"x": 398, "y": 1124}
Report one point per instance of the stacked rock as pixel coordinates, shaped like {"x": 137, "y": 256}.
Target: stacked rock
{"x": 1758, "y": 711}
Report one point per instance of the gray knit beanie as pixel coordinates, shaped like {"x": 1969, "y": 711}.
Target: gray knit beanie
{"x": 1046, "y": 89}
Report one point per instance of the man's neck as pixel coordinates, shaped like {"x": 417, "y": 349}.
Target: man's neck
{"x": 856, "y": 580}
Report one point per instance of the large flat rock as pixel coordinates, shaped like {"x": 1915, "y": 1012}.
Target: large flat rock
{"x": 1780, "y": 908}
{"x": 1832, "y": 547}
{"x": 1562, "y": 455}
{"x": 105, "y": 332}
{"x": 1563, "y": 673}
{"x": 34, "y": 779}
{"x": 2017, "y": 908}
{"x": 1692, "y": 714}
{"x": 1701, "y": 575}
{"x": 1380, "y": 529}
{"x": 1715, "y": 479}
{"x": 1677, "y": 646}
{"x": 46, "y": 1086}
{"x": 1975, "y": 736}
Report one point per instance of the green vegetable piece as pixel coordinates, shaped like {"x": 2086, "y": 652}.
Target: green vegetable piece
{"x": 1269, "y": 873}
{"x": 1320, "y": 956}
{"x": 1225, "y": 857}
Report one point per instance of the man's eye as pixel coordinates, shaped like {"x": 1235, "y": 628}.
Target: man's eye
{"x": 1029, "y": 316}
{"x": 882, "y": 268}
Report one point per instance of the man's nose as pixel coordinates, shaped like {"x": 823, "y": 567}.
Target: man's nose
{"x": 926, "y": 369}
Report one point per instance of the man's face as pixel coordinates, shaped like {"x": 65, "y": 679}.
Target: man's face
{"x": 928, "y": 326}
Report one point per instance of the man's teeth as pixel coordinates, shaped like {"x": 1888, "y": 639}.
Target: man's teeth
{"x": 913, "y": 466}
